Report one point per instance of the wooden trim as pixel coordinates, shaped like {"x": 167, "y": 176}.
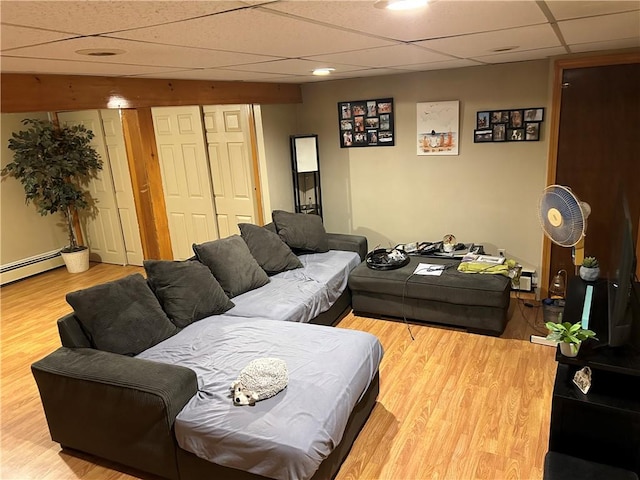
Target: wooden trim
{"x": 146, "y": 180}
{"x": 34, "y": 93}
{"x": 255, "y": 167}
{"x": 560, "y": 66}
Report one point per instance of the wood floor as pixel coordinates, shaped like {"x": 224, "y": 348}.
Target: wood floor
{"x": 452, "y": 405}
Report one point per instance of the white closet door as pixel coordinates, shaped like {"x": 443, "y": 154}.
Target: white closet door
{"x": 103, "y": 232}
{"x": 229, "y": 147}
{"x": 114, "y": 140}
{"x": 185, "y": 177}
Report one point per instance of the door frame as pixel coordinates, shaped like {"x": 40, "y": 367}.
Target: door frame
{"x": 560, "y": 66}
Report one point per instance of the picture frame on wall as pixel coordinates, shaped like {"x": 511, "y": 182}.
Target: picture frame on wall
{"x": 366, "y": 123}
{"x": 508, "y": 125}
{"x": 438, "y": 125}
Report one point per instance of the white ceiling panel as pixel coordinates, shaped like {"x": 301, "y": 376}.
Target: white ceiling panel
{"x": 91, "y": 17}
{"x": 256, "y": 31}
{"x": 565, "y": 10}
{"x": 609, "y": 27}
{"x": 66, "y": 67}
{"x": 385, "y": 56}
{"x": 478, "y": 44}
{"x": 275, "y": 41}
{"x": 139, "y": 53}
{"x": 437, "y": 19}
{"x": 522, "y": 56}
{"x": 12, "y": 37}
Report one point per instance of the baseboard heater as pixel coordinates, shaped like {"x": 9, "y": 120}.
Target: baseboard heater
{"x": 26, "y": 267}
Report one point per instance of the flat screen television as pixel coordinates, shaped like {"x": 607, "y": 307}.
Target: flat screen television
{"x": 623, "y": 315}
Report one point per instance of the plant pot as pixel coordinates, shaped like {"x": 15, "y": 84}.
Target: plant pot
{"x": 569, "y": 349}
{"x": 589, "y": 274}
{"x": 76, "y": 262}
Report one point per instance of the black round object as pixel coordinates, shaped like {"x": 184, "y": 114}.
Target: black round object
{"x": 382, "y": 259}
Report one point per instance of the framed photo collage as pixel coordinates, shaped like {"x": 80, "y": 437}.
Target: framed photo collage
{"x": 518, "y": 125}
{"x": 366, "y": 123}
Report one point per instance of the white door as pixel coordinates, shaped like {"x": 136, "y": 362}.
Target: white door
{"x": 229, "y": 147}
{"x": 103, "y": 233}
{"x": 185, "y": 177}
{"x": 114, "y": 140}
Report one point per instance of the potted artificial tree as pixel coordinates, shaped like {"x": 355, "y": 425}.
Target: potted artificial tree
{"x": 590, "y": 269}
{"x": 569, "y": 336}
{"x": 54, "y": 165}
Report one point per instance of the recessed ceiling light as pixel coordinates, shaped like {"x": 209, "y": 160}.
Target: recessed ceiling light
{"x": 401, "y": 4}
{"x": 100, "y": 52}
{"x": 323, "y": 71}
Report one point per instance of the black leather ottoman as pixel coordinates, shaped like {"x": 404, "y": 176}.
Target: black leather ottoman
{"x": 477, "y": 302}
{"x": 558, "y": 466}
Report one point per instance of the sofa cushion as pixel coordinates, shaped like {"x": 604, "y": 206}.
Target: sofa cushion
{"x": 271, "y": 253}
{"x": 231, "y": 262}
{"x": 301, "y": 231}
{"x": 122, "y": 316}
{"x": 187, "y": 290}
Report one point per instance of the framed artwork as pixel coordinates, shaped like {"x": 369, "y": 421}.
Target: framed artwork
{"x": 513, "y": 125}
{"x": 438, "y": 127}
{"x": 366, "y": 123}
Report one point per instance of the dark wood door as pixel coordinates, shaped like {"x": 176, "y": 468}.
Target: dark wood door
{"x": 599, "y": 151}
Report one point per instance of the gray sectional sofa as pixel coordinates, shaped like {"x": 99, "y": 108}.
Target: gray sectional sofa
{"x": 138, "y": 392}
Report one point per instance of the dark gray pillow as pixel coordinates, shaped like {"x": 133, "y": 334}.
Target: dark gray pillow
{"x": 231, "y": 262}
{"x": 187, "y": 290}
{"x": 122, "y": 316}
{"x": 271, "y": 253}
{"x": 301, "y": 231}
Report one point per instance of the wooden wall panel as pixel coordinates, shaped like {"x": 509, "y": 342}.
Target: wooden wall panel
{"x": 35, "y": 93}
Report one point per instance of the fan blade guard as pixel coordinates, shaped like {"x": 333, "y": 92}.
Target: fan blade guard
{"x": 562, "y": 216}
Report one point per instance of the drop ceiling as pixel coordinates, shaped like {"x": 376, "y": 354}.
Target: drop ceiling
{"x": 284, "y": 41}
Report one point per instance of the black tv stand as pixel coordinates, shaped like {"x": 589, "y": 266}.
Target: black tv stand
{"x": 602, "y": 426}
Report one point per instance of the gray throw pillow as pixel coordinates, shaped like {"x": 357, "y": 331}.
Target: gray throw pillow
{"x": 301, "y": 231}
{"x": 187, "y": 290}
{"x": 122, "y": 316}
{"x": 231, "y": 262}
{"x": 271, "y": 253}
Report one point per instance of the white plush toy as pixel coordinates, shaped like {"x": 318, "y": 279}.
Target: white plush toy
{"x": 260, "y": 379}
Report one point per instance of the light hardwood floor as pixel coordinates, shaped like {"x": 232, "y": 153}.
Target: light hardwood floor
{"x": 452, "y": 405}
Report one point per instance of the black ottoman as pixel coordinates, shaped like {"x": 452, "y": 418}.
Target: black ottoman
{"x": 558, "y": 466}
{"x": 477, "y": 302}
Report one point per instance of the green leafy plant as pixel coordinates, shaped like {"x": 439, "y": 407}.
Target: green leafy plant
{"x": 590, "y": 262}
{"x": 54, "y": 165}
{"x": 567, "y": 333}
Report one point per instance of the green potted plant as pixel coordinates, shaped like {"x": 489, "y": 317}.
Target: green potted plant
{"x": 54, "y": 165}
{"x": 590, "y": 269}
{"x": 570, "y": 337}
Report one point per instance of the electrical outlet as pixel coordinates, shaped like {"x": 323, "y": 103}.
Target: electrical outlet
{"x": 501, "y": 252}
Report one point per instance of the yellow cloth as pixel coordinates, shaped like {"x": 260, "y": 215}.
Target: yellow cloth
{"x": 483, "y": 267}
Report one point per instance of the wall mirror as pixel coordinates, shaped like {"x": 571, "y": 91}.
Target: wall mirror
{"x": 306, "y": 174}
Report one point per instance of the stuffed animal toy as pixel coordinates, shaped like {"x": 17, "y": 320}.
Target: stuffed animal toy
{"x": 260, "y": 379}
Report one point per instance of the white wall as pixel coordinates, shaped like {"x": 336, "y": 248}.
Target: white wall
{"x": 24, "y": 232}
{"x": 278, "y": 122}
{"x": 487, "y": 194}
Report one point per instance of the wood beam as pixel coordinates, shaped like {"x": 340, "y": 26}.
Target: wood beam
{"x": 146, "y": 180}
{"x": 35, "y": 93}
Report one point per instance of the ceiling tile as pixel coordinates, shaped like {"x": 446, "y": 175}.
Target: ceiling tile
{"x": 438, "y": 19}
{"x": 66, "y": 67}
{"x": 384, "y": 56}
{"x": 564, "y": 10}
{"x": 522, "y": 56}
{"x": 12, "y": 37}
{"x": 257, "y": 31}
{"x": 475, "y": 45}
{"x": 138, "y": 53}
{"x": 609, "y": 27}
{"x": 216, "y": 74}
{"x": 456, "y": 63}
{"x": 91, "y": 17}
{"x": 633, "y": 42}
{"x": 292, "y": 67}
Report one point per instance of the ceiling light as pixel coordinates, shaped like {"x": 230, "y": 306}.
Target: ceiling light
{"x": 100, "y": 52}
{"x": 323, "y": 71}
{"x": 401, "y": 4}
